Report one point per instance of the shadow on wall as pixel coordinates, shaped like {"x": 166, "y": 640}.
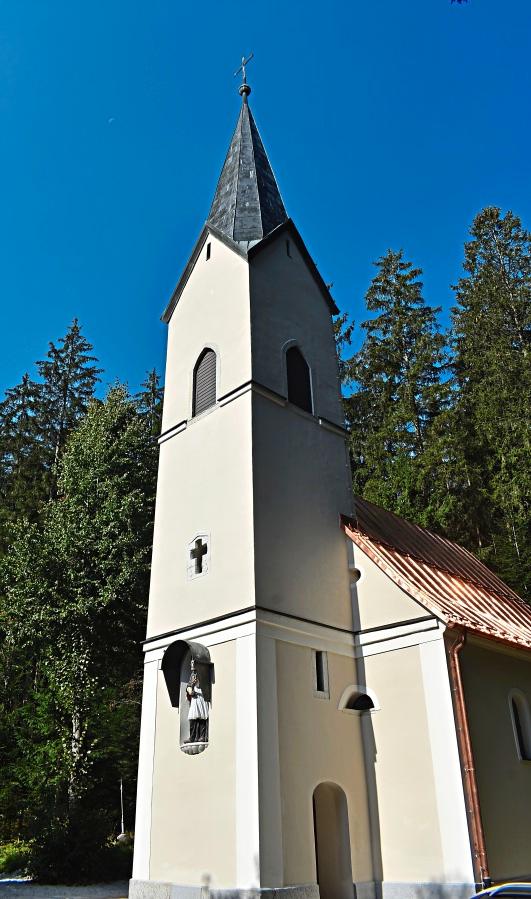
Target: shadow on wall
{"x": 369, "y": 755}
{"x": 437, "y": 890}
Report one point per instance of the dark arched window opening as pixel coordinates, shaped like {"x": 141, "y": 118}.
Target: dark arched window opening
{"x": 520, "y": 715}
{"x": 204, "y": 382}
{"x": 360, "y": 702}
{"x": 299, "y": 386}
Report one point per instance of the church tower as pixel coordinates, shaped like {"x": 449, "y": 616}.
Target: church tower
{"x": 250, "y": 625}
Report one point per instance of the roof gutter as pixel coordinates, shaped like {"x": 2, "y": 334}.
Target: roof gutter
{"x": 454, "y": 639}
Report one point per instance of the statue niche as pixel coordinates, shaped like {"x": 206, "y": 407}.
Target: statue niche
{"x": 188, "y": 672}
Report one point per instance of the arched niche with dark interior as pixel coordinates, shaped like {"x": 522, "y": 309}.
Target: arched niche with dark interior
{"x": 332, "y": 842}
{"x": 298, "y": 379}
{"x": 357, "y": 699}
{"x": 189, "y": 675}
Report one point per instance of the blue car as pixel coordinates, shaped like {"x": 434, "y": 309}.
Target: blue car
{"x": 506, "y": 891}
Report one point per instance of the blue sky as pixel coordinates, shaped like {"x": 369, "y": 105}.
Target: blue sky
{"x": 389, "y": 123}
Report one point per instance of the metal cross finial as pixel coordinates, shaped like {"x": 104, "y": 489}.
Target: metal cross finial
{"x": 244, "y": 87}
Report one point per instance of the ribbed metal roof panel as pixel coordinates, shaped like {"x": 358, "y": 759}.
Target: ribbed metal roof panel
{"x": 413, "y": 540}
{"x": 441, "y": 575}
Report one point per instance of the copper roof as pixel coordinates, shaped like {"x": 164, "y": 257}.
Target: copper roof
{"x": 444, "y": 577}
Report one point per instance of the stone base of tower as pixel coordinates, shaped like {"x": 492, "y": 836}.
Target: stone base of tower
{"x": 419, "y": 890}
{"x": 156, "y": 889}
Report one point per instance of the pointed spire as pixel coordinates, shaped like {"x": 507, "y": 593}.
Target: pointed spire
{"x": 247, "y": 204}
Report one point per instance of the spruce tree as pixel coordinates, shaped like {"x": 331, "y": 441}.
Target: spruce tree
{"x": 398, "y": 391}
{"x": 149, "y": 401}
{"x": 36, "y": 417}
{"x": 492, "y": 379}
{"x": 22, "y": 487}
{"x": 69, "y": 377}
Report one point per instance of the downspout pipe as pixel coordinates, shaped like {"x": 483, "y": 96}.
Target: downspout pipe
{"x": 455, "y": 640}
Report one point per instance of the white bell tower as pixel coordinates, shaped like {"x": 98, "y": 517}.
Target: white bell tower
{"x": 250, "y": 618}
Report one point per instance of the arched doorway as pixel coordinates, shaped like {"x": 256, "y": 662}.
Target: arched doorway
{"x": 332, "y": 842}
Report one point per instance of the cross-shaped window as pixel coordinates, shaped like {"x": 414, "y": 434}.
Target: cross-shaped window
{"x": 200, "y": 549}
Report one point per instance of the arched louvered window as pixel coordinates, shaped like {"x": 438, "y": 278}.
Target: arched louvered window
{"x": 204, "y": 382}
{"x": 299, "y": 385}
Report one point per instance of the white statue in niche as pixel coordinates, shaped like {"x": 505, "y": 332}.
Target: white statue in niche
{"x": 198, "y": 711}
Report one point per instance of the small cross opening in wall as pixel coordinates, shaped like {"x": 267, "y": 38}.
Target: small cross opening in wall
{"x": 200, "y": 549}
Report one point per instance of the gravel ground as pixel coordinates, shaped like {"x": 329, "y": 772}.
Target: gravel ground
{"x": 24, "y": 889}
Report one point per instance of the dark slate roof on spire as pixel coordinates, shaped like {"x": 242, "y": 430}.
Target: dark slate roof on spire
{"x": 247, "y": 204}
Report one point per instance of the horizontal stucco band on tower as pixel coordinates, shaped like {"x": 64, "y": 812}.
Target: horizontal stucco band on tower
{"x": 220, "y": 618}
{"x": 266, "y": 392}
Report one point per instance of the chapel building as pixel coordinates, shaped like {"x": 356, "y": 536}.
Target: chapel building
{"x": 336, "y": 702}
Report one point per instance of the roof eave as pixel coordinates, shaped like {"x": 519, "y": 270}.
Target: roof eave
{"x": 364, "y": 543}
{"x": 494, "y": 638}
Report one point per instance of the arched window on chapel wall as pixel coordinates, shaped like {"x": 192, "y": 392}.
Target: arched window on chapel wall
{"x": 521, "y": 721}
{"x": 298, "y": 377}
{"x": 204, "y": 387}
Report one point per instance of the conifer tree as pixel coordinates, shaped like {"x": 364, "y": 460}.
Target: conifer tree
{"x": 149, "y": 401}
{"x": 491, "y": 365}
{"x": 398, "y": 393}
{"x": 35, "y": 419}
{"x": 21, "y": 456}
{"x": 69, "y": 377}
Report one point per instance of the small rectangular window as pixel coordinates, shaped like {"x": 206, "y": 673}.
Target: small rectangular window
{"x": 208, "y": 251}
{"x": 288, "y": 248}
{"x": 320, "y": 674}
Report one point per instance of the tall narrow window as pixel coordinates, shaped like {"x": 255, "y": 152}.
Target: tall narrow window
{"x": 208, "y": 251}
{"x": 521, "y": 724}
{"x": 320, "y": 674}
{"x": 299, "y": 386}
{"x": 204, "y": 390}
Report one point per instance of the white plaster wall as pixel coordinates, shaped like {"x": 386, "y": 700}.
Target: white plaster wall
{"x": 213, "y": 310}
{"x": 318, "y": 743}
{"x": 194, "y": 814}
{"x": 450, "y": 798}
{"x": 146, "y": 757}
{"x": 287, "y": 305}
{"x": 490, "y": 672}
{"x": 411, "y": 745}
{"x": 268, "y": 755}
{"x": 204, "y": 486}
{"x": 301, "y": 487}
{"x": 378, "y": 600}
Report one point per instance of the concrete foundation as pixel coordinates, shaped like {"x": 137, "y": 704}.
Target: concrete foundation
{"x": 156, "y": 889}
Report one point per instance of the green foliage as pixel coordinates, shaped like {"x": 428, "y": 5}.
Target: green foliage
{"x": 492, "y": 377}
{"x": 14, "y": 857}
{"x": 22, "y": 472}
{"x": 77, "y": 850}
{"x": 68, "y": 381}
{"x": 36, "y": 417}
{"x": 76, "y": 586}
{"x": 398, "y": 393}
{"x": 440, "y": 434}
{"x": 149, "y": 402}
